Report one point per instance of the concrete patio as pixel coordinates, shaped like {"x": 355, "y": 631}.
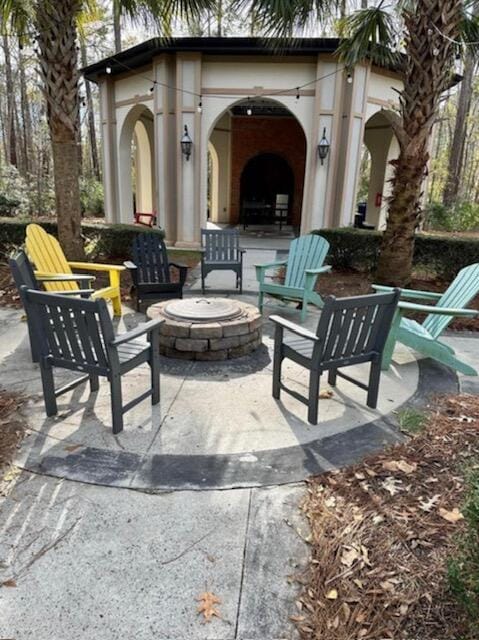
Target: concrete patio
{"x": 116, "y": 536}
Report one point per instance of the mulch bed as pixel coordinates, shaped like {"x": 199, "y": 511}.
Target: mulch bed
{"x": 381, "y": 534}
{"x": 353, "y": 283}
{"x": 12, "y": 430}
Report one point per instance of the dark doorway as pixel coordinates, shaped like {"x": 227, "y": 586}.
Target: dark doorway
{"x": 264, "y": 178}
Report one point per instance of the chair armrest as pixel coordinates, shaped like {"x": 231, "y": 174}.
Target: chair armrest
{"x": 96, "y": 266}
{"x": 178, "y": 266}
{"x": 270, "y": 265}
{"x": 294, "y": 328}
{"x": 130, "y": 265}
{"x": 242, "y": 251}
{"x": 443, "y": 311}
{"x": 410, "y": 293}
{"x": 62, "y": 277}
{"x": 146, "y": 327}
{"x": 78, "y": 292}
{"x": 325, "y": 269}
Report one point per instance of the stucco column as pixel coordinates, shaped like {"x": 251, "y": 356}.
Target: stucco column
{"x": 109, "y": 149}
{"x": 166, "y": 142}
{"x": 320, "y": 178}
{"x": 350, "y": 140}
{"x": 188, "y": 78}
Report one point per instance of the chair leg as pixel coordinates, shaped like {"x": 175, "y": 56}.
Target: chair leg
{"x": 94, "y": 383}
{"x": 260, "y": 301}
{"x": 155, "y": 368}
{"x": 313, "y": 400}
{"x": 277, "y": 364}
{"x": 116, "y": 403}
{"x": 117, "y": 305}
{"x": 332, "y": 374}
{"x": 373, "y": 386}
{"x": 304, "y": 309}
{"x": 48, "y": 390}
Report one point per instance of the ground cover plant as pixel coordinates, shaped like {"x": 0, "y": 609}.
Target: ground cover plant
{"x": 12, "y": 430}
{"x": 394, "y": 540}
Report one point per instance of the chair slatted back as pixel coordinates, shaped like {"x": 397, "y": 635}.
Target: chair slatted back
{"x": 45, "y": 252}
{"x": 220, "y": 245}
{"x": 71, "y": 332}
{"x": 151, "y": 258}
{"x": 22, "y": 271}
{"x": 305, "y": 252}
{"x": 460, "y": 292}
{"x": 356, "y": 327}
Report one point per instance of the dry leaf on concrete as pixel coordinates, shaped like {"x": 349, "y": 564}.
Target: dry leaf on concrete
{"x": 207, "y": 607}
{"x": 325, "y": 394}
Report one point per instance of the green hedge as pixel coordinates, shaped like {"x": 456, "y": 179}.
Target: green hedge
{"x": 359, "y": 249}
{"x": 101, "y": 240}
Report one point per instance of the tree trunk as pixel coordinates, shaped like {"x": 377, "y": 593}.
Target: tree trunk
{"x": 11, "y": 130}
{"x": 117, "y": 25}
{"x": 95, "y": 163}
{"x": 26, "y": 117}
{"x": 219, "y": 18}
{"x": 428, "y": 69}
{"x": 56, "y": 24}
{"x": 455, "y": 165}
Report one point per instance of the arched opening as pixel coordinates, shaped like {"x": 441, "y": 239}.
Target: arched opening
{"x": 267, "y": 188}
{"x": 137, "y": 164}
{"x": 379, "y": 148}
{"x": 257, "y": 160}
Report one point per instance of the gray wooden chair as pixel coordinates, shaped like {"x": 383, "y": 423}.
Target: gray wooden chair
{"x": 221, "y": 251}
{"x": 78, "y": 335}
{"x": 350, "y": 331}
{"x": 23, "y": 275}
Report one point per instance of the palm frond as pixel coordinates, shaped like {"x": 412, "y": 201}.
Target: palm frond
{"x": 283, "y": 18}
{"x": 369, "y": 34}
{"x": 469, "y": 36}
{"x": 15, "y": 17}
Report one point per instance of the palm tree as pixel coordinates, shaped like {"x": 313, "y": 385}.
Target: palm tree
{"x": 428, "y": 32}
{"x": 55, "y": 24}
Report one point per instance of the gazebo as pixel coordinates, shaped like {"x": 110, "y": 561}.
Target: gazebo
{"x": 198, "y": 128}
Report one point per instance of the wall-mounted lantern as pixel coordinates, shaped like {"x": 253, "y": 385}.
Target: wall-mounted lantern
{"x": 323, "y": 147}
{"x": 186, "y": 144}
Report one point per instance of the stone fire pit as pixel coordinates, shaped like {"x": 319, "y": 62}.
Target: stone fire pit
{"x": 207, "y": 328}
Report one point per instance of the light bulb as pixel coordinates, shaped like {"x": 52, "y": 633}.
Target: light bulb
{"x": 108, "y": 69}
{"x": 349, "y": 78}
{"x": 249, "y": 111}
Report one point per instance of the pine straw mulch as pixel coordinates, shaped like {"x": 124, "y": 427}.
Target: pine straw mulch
{"x": 12, "y": 431}
{"x": 381, "y": 533}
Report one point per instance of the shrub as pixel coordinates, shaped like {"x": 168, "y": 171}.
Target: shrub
{"x": 359, "y": 249}
{"x": 112, "y": 242}
{"x": 13, "y": 192}
{"x": 91, "y": 197}
{"x": 463, "y": 217}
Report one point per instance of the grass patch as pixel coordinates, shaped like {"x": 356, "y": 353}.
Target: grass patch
{"x": 463, "y": 566}
{"x": 411, "y": 421}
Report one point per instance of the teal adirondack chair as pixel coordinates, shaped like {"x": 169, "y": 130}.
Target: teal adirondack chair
{"x": 425, "y": 337}
{"x": 303, "y": 266}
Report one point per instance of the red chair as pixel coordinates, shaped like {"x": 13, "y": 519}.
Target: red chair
{"x": 145, "y": 219}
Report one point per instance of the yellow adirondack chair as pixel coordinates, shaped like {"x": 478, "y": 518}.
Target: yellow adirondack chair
{"x": 46, "y": 253}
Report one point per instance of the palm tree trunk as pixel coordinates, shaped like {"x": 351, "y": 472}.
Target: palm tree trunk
{"x": 56, "y": 23}
{"x": 26, "y": 116}
{"x": 456, "y": 156}
{"x": 428, "y": 72}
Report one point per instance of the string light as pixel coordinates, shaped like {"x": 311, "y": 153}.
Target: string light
{"x": 249, "y": 110}
{"x": 152, "y": 88}
{"x": 297, "y": 94}
{"x": 108, "y": 70}
{"x": 349, "y": 78}
{"x": 199, "y": 108}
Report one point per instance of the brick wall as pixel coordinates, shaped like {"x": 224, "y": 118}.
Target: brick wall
{"x": 253, "y": 135}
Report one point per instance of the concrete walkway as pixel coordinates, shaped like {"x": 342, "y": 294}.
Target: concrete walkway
{"x": 116, "y": 536}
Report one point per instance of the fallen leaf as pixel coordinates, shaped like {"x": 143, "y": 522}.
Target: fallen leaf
{"x": 9, "y": 583}
{"x": 207, "y": 606}
{"x": 72, "y": 447}
{"x": 451, "y": 516}
{"x": 349, "y": 556}
{"x": 427, "y": 505}
{"x": 332, "y": 594}
{"x": 325, "y": 394}
{"x": 330, "y": 502}
{"x": 392, "y": 485}
{"x": 399, "y": 465}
